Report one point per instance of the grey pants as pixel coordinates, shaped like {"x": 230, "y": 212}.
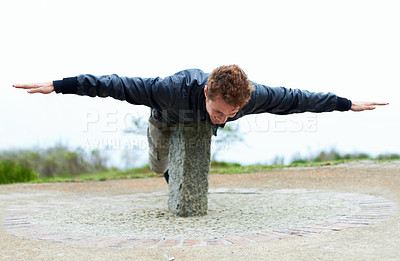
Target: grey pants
{"x": 158, "y": 136}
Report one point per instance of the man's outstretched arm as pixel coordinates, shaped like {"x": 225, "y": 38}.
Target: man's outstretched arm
{"x": 281, "y": 100}
{"x": 156, "y": 93}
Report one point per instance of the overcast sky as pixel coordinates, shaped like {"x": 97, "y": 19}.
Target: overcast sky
{"x": 350, "y": 48}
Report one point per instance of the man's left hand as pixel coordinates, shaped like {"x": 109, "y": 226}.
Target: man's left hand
{"x": 363, "y": 106}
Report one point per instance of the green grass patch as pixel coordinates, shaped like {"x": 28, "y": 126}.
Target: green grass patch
{"x": 216, "y": 168}
{"x": 224, "y": 168}
{"x": 113, "y": 173}
{"x": 60, "y": 164}
{"x": 235, "y": 168}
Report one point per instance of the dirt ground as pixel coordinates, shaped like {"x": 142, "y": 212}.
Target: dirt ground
{"x": 378, "y": 241}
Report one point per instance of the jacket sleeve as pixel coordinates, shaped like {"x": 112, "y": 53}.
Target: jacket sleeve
{"x": 280, "y": 100}
{"x": 153, "y": 92}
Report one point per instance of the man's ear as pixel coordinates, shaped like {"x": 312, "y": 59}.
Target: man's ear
{"x": 205, "y": 90}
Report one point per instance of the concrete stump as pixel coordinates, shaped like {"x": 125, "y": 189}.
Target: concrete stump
{"x": 189, "y": 164}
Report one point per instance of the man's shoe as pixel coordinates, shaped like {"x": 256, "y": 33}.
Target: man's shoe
{"x": 166, "y": 176}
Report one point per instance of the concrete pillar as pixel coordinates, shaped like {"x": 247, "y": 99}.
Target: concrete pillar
{"x": 189, "y": 164}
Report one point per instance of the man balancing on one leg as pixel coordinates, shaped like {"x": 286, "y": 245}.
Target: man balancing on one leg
{"x": 194, "y": 96}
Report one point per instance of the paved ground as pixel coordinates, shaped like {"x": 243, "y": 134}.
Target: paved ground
{"x": 347, "y": 211}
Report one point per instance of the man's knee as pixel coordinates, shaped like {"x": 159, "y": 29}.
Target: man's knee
{"x": 159, "y": 166}
{"x": 158, "y": 170}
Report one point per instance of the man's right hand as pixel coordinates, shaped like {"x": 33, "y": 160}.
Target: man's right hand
{"x": 43, "y": 87}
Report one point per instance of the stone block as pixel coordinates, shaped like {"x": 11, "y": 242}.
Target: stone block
{"x": 189, "y": 164}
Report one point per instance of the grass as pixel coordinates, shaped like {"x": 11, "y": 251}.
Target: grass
{"x": 234, "y": 168}
{"x": 60, "y": 164}
{"x": 113, "y": 173}
{"x": 216, "y": 168}
{"x": 14, "y": 171}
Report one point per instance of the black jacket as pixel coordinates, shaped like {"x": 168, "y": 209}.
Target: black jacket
{"x": 180, "y": 98}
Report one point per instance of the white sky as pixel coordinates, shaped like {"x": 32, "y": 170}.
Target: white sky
{"x": 350, "y": 48}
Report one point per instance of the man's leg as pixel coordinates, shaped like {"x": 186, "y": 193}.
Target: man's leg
{"x": 158, "y": 137}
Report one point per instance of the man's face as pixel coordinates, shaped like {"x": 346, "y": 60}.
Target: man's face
{"x": 218, "y": 110}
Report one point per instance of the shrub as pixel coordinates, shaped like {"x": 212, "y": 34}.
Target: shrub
{"x": 12, "y": 172}
{"x": 327, "y": 156}
{"x": 355, "y": 156}
{"x": 57, "y": 160}
{"x": 388, "y": 156}
{"x": 299, "y": 161}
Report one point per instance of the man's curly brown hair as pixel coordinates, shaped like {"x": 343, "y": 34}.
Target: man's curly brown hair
{"x": 231, "y": 84}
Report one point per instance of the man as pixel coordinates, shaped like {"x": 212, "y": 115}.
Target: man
{"x": 194, "y": 96}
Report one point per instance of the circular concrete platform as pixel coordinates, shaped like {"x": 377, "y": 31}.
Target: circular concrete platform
{"x": 235, "y": 216}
